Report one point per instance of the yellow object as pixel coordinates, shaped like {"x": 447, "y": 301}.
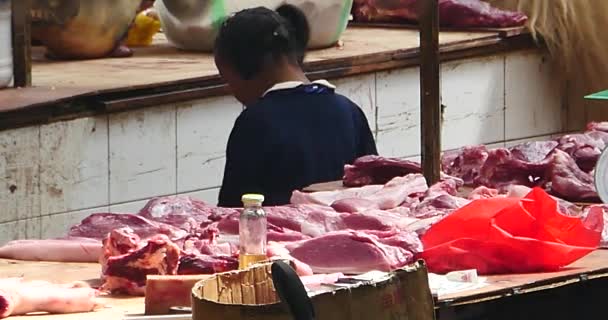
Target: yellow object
{"x": 145, "y": 26}
{"x": 246, "y": 260}
{"x": 252, "y": 199}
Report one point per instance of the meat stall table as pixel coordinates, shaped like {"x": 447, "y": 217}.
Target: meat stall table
{"x": 575, "y": 290}
{"x": 578, "y": 291}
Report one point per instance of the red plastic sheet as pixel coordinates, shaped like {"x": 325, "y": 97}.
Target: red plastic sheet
{"x": 510, "y": 235}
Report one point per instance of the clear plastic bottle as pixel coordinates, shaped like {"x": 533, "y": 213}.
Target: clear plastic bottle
{"x": 252, "y": 231}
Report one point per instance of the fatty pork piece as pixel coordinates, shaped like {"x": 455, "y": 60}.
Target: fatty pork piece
{"x": 376, "y": 220}
{"x": 440, "y": 200}
{"x": 277, "y": 250}
{"x": 127, "y": 273}
{"x": 388, "y": 196}
{"x": 208, "y": 244}
{"x": 326, "y": 198}
{"x": 98, "y": 225}
{"x": 19, "y": 297}
{"x": 453, "y": 13}
{"x": 373, "y": 169}
{"x": 565, "y": 207}
{"x": 283, "y": 224}
{"x": 566, "y": 180}
{"x": 354, "y": 252}
{"x": 59, "y": 250}
{"x": 396, "y": 191}
{"x": 293, "y": 223}
{"x": 483, "y": 193}
{"x": 598, "y": 126}
{"x": 179, "y": 211}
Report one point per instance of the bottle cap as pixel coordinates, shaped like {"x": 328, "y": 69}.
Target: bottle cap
{"x": 252, "y": 199}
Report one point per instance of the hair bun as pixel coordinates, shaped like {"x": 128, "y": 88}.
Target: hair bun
{"x": 281, "y": 33}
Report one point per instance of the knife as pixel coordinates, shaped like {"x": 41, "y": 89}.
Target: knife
{"x": 292, "y": 292}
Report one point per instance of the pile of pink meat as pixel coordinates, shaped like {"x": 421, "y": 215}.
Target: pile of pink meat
{"x": 372, "y": 224}
{"x": 350, "y": 231}
{"x": 452, "y": 13}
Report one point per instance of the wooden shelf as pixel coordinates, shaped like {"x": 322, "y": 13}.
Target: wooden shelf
{"x": 161, "y": 74}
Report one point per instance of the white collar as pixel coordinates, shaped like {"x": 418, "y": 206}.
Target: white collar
{"x": 295, "y": 84}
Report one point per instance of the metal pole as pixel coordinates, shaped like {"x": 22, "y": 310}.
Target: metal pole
{"x": 430, "y": 108}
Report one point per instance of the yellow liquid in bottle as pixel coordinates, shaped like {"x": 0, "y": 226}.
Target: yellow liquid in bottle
{"x": 245, "y": 260}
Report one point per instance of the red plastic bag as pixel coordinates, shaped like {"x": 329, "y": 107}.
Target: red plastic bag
{"x": 510, "y": 235}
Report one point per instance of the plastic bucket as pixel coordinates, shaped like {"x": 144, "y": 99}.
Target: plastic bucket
{"x": 193, "y": 24}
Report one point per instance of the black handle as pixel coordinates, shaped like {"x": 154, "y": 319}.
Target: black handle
{"x": 292, "y": 292}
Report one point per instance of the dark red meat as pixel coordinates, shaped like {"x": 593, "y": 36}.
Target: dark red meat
{"x": 503, "y": 168}
{"x": 204, "y": 264}
{"x": 465, "y": 163}
{"x": 533, "y": 152}
{"x": 377, "y": 170}
{"x": 585, "y": 148}
{"x": 99, "y": 225}
{"x": 127, "y": 273}
{"x": 452, "y": 13}
{"x": 566, "y": 180}
{"x": 118, "y": 242}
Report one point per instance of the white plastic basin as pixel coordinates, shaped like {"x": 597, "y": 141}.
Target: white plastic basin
{"x": 192, "y": 24}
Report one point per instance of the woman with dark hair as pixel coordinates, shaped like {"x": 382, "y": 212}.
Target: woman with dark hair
{"x": 293, "y": 132}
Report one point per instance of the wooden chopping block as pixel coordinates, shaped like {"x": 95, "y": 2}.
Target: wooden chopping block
{"x": 165, "y": 292}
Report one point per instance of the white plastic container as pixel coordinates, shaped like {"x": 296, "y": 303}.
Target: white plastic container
{"x": 6, "y": 47}
{"x": 192, "y": 24}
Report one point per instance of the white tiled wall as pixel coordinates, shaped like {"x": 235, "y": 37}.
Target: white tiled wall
{"x": 74, "y": 165}
{"x": 128, "y": 207}
{"x": 55, "y": 175}
{"x": 473, "y": 94}
{"x": 20, "y": 174}
{"x": 20, "y": 229}
{"x": 533, "y": 104}
{"x": 202, "y": 134}
{"x": 210, "y": 196}
{"x": 398, "y": 103}
{"x": 143, "y": 158}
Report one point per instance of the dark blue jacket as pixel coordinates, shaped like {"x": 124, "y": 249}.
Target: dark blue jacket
{"x": 292, "y": 138}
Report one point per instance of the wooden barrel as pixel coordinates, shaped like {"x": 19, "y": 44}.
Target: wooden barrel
{"x": 250, "y": 294}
